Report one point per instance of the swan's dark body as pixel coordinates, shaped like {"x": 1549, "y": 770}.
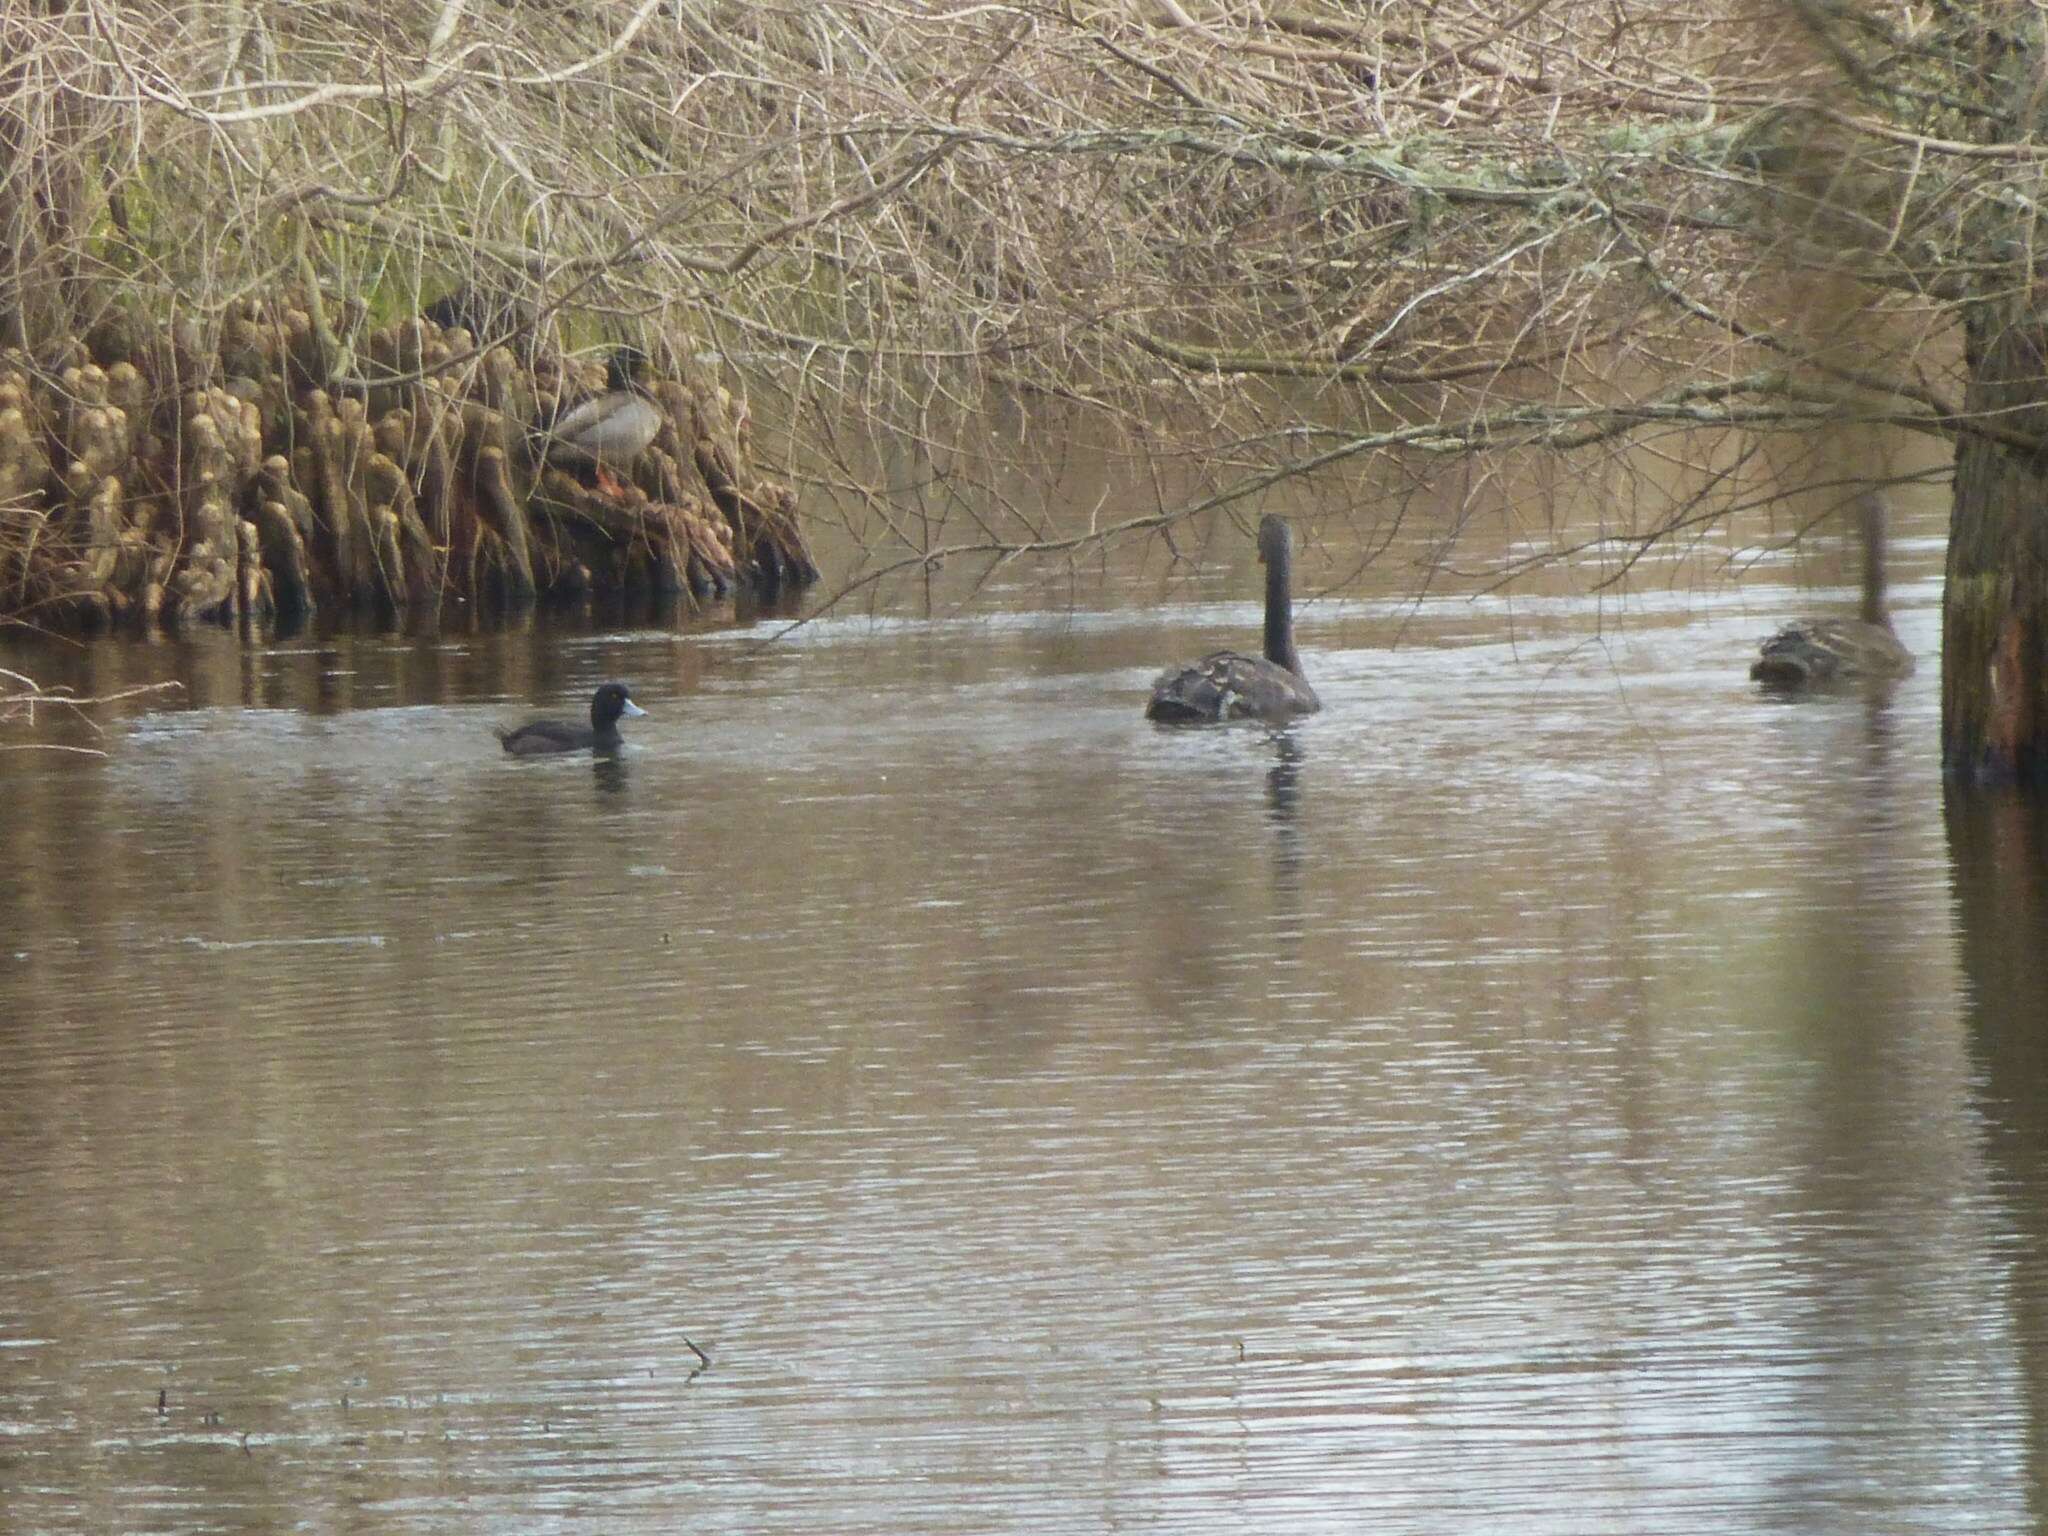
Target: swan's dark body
{"x": 607, "y": 431}
{"x": 1818, "y": 653}
{"x": 1812, "y": 653}
{"x": 539, "y": 736}
{"x": 1228, "y": 685}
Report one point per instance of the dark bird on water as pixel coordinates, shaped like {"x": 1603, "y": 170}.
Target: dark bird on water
{"x": 1227, "y": 685}
{"x": 606, "y": 706}
{"x": 1816, "y": 653}
{"x": 607, "y": 432}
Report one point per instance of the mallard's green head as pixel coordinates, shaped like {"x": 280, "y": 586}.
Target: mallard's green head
{"x": 622, "y": 368}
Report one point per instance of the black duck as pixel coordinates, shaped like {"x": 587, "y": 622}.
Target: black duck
{"x": 606, "y": 706}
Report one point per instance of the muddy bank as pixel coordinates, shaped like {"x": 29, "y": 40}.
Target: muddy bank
{"x": 155, "y": 474}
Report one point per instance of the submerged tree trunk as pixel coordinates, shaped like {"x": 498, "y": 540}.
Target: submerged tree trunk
{"x": 1994, "y": 626}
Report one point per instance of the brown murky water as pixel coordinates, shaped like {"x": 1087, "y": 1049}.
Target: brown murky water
{"x": 1555, "y": 1090}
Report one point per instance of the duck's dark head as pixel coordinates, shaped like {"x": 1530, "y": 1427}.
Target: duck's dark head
{"x": 609, "y": 703}
{"x": 622, "y": 368}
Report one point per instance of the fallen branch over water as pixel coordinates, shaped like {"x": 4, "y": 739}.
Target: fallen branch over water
{"x": 27, "y": 694}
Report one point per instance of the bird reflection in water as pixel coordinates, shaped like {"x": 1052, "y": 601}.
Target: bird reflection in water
{"x": 1283, "y": 779}
{"x": 1283, "y": 810}
{"x": 608, "y": 771}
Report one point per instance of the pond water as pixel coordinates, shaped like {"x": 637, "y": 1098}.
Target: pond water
{"x": 1556, "y": 1089}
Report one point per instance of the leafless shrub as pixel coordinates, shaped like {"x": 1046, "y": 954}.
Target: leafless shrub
{"x": 1232, "y": 240}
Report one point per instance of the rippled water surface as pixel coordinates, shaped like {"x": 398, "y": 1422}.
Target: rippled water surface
{"x": 1555, "y": 1090}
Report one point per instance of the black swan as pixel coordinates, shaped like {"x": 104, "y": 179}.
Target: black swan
{"x": 1229, "y": 686}
{"x": 1814, "y": 653}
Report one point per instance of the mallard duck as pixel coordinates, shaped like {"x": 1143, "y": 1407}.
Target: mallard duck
{"x": 1815, "y": 653}
{"x": 1227, "y": 685}
{"x": 607, "y": 431}
{"x": 606, "y": 706}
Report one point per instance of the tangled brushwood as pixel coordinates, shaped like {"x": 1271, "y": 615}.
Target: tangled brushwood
{"x": 145, "y": 477}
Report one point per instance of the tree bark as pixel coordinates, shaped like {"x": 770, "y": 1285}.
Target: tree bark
{"x": 1994, "y": 623}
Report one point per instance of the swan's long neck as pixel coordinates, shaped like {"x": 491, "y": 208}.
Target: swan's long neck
{"x": 1280, "y": 610}
{"x": 1871, "y": 507}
